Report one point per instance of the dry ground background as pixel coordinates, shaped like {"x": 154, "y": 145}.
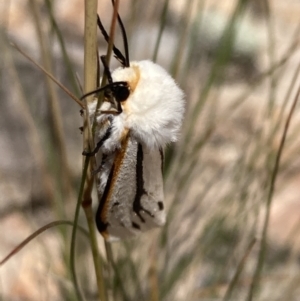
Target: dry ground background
{"x": 219, "y": 186}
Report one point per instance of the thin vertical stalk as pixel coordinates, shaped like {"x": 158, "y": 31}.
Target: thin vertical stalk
{"x": 222, "y": 57}
{"x": 263, "y": 244}
{"x": 100, "y": 98}
{"x": 90, "y": 81}
{"x": 153, "y": 273}
{"x": 107, "y": 58}
{"x": 239, "y": 270}
{"x": 66, "y": 192}
{"x": 57, "y": 124}
{"x": 112, "y": 31}
{"x": 111, "y": 261}
{"x": 163, "y": 19}
{"x": 34, "y": 140}
{"x": 271, "y": 55}
{"x": 74, "y": 232}
{"x": 69, "y": 67}
{"x": 186, "y": 20}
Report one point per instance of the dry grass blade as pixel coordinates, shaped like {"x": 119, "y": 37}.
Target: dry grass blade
{"x": 69, "y": 93}
{"x": 34, "y": 235}
{"x": 263, "y": 245}
{"x": 54, "y": 107}
{"x": 71, "y": 75}
{"x": 163, "y": 19}
{"x": 238, "y": 271}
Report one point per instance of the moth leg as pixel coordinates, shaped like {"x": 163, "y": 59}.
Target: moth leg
{"x": 100, "y": 167}
{"x": 97, "y": 170}
{"x": 99, "y": 144}
{"x": 95, "y": 151}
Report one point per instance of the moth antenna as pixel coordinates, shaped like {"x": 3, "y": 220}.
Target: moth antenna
{"x": 117, "y": 53}
{"x": 108, "y": 86}
{"x": 98, "y": 68}
{"x": 106, "y": 69}
{"x": 124, "y": 35}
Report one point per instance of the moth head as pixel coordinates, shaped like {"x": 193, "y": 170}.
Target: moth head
{"x": 116, "y": 93}
{"x": 121, "y": 91}
{"x": 122, "y": 84}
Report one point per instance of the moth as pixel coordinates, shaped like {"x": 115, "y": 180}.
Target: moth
{"x": 142, "y": 112}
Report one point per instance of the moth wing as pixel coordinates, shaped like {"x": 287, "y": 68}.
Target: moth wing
{"x": 152, "y": 199}
{"x": 133, "y": 196}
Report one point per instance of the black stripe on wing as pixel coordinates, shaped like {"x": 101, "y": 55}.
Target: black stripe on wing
{"x": 140, "y": 190}
{"x": 102, "y": 226}
{"x": 162, "y": 157}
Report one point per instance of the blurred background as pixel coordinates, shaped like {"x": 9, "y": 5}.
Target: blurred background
{"x": 238, "y": 63}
